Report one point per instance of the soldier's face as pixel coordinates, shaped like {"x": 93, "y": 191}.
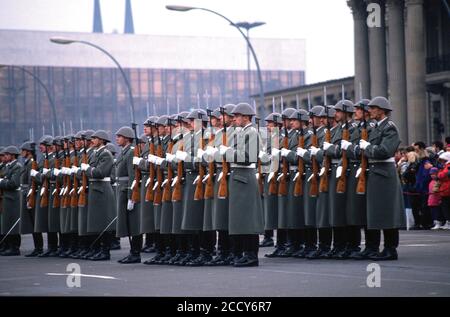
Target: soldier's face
{"x": 8, "y": 157}
{"x": 42, "y": 148}
{"x": 295, "y": 124}
{"x": 120, "y": 140}
{"x": 95, "y": 142}
{"x": 323, "y": 121}
{"x": 376, "y": 113}
{"x": 147, "y": 130}
{"x": 339, "y": 115}
{"x": 214, "y": 121}
{"x": 359, "y": 113}
{"x": 317, "y": 121}
{"x": 161, "y": 130}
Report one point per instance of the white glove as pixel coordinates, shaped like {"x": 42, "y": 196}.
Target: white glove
{"x": 152, "y": 158}
{"x": 130, "y": 204}
{"x": 326, "y": 145}
{"x": 296, "y": 176}
{"x": 75, "y": 169}
{"x": 261, "y": 154}
{"x": 136, "y": 160}
{"x": 169, "y": 157}
{"x": 285, "y": 152}
{"x": 257, "y": 176}
{"x": 200, "y": 153}
{"x": 322, "y": 170}
{"x": 271, "y": 175}
{"x": 314, "y": 150}
{"x": 220, "y": 176}
{"x": 210, "y": 150}
{"x": 358, "y": 172}
{"x": 181, "y": 155}
{"x": 223, "y": 149}
{"x": 56, "y": 171}
{"x": 301, "y": 151}
{"x": 275, "y": 152}
{"x": 338, "y": 171}
{"x": 363, "y": 144}
{"x": 345, "y": 144}
{"x": 84, "y": 167}
{"x": 33, "y": 173}
{"x": 45, "y": 171}
{"x": 159, "y": 160}
{"x": 174, "y": 181}
{"x": 196, "y": 180}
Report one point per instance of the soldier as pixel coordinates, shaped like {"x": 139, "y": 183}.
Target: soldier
{"x": 246, "y": 219}
{"x": 42, "y": 178}
{"x": 2, "y": 171}
{"x": 147, "y": 212}
{"x": 10, "y": 186}
{"x": 115, "y": 241}
{"x": 311, "y": 179}
{"x": 27, "y": 214}
{"x": 356, "y": 202}
{"x": 101, "y": 208}
{"x": 385, "y": 214}
{"x": 127, "y": 211}
{"x": 274, "y": 124}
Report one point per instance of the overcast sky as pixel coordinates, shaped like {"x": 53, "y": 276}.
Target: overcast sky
{"x": 326, "y": 25}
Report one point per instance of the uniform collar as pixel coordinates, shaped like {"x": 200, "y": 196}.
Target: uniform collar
{"x": 100, "y": 148}
{"x": 248, "y": 125}
{"x": 381, "y": 121}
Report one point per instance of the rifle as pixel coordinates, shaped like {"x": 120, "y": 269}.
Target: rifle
{"x": 177, "y": 191}
{"x": 136, "y": 190}
{"x": 74, "y": 195}
{"x": 324, "y": 180}
{"x": 199, "y": 194}
{"x": 167, "y": 191}
{"x": 209, "y": 188}
{"x": 45, "y": 185}
{"x": 342, "y": 181}
{"x": 159, "y": 173}
{"x": 31, "y": 197}
{"x": 84, "y": 180}
{"x": 222, "y": 192}
{"x": 314, "y": 188}
{"x": 56, "y": 198}
{"x": 282, "y": 186}
{"x": 298, "y": 186}
{"x": 273, "y": 186}
{"x": 361, "y": 185}
{"x": 67, "y": 187}
{"x": 260, "y": 176}
{"x": 151, "y": 177}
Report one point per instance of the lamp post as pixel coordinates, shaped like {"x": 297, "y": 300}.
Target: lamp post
{"x": 186, "y": 8}
{"x": 64, "y": 41}
{"x": 248, "y": 26}
{"x": 41, "y": 83}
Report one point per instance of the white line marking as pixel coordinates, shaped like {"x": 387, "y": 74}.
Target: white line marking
{"x": 83, "y": 275}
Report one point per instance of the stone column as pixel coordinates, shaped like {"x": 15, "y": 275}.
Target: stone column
{"x": 361, "y": 47}
{"x": 377, "y": 54}
{"x": 415, "y": 71}
{"x": 397, "y": 67}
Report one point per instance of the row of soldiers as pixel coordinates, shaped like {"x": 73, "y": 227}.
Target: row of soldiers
{"x": 190, "y": 178}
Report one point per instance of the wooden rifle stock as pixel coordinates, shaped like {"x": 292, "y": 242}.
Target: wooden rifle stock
{"x": 136, "y": 191}
{"x": 68, "y": 186}
{"x": 209, "y": 188}
{"x": 177, "y": 190}
{"x": 151, "y": 176}
{"x": 342, "y": 181}
{"x": 273, "y": 186}
{"x": 157, "y": 198}
{"x": 45, "y": 185}
{"x": 222, "y": 192}
{"x": 31, "y": 198}
{"x": 84, "y": 180}
{"x": 298, "y": 186}
{"x": 74, "y": 195}
{"x": 361, "y": 185}
{"x": 282, "y": 185}
{"x": 56, "y": 198}
{"x": 167, "y": 191}
{"x": 199, "y": 193}
{"x": 324, "y": 179}
{"x": 314, "y": 187}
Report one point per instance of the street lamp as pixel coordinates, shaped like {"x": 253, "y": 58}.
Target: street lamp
{"x": 247, "y": 26}
{"x": 186, "y": 8}
{"x": 41, "y": 83}
{"x": 64, "y": 41}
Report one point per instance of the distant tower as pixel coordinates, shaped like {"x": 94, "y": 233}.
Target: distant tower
{"x": 129, "y": 25}
{"x": 98, "y": 27}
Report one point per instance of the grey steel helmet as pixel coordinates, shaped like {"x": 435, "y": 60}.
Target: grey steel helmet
{"x": 228, "y": 109}
{"x": 88, "y": 134}
{"x": 46, "y": 140}
{"x": 345, "y": 106}
{"x": 362, "y": 104}
{"x": 28, "y": 146}
{"x": 380, "y": 102}
{"x": 78, "y": 135}
{"x": 112, "y": 148}
{"x": 216, "y": 113}
{"x": 11, "y": 150}
{"x": 2, "y": 148}
{"x": 151, "y": 120}
{"x": 68, "y": 137}
{"x": 287, "y": 113}
{"x": 198, "y": 114}
{"x": 274, "y": 117}
{"x": 304, "y": 115}
{"x": 162, "y": 120}
{"x": 126, "y": 132}
{"x": 102, "y": 134}
{"x": 317, "y": 111}
{"x": 58, "y": 140}
{"x": 331, "y": 111}
{"x": 183, "y": 116}
{"x": 243, "y": 108}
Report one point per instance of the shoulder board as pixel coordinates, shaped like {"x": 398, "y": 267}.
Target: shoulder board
{"x": 354, "y": 124}
{"x": 310, "y": 132}
{"x": 372, "y": 124}
{"x": 132, "y": 147}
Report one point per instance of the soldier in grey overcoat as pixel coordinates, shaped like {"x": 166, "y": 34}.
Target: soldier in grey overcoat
{"x": 11, "y": 193}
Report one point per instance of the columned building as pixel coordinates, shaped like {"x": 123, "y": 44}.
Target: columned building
{"x": 406, "y": 57}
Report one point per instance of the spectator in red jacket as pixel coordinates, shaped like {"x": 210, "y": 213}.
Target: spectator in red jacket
{"x": 434, "y": 198}
{"x": 444, "y": 179}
